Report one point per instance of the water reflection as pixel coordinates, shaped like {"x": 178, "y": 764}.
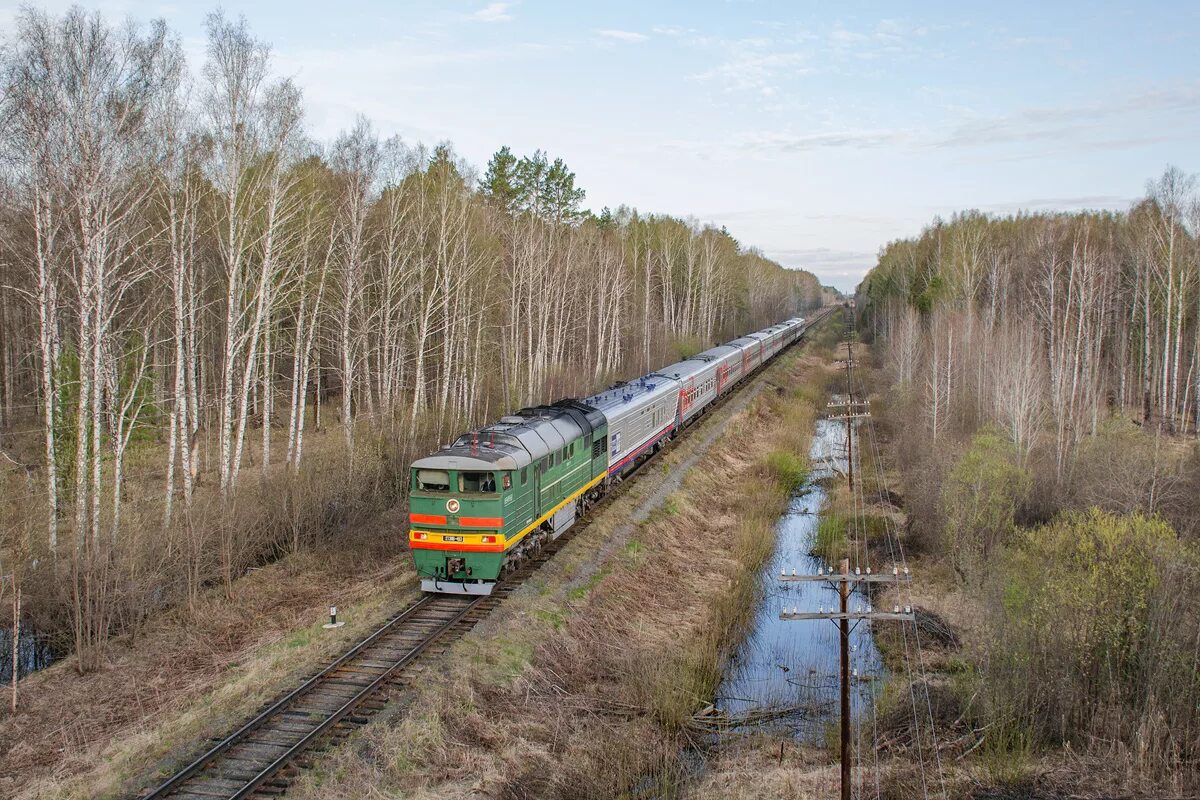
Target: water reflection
{"x": 33, "y": 653}
{"x": 785, "y": 674}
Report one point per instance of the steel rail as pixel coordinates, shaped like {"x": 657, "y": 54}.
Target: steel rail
{"x": 195, "y": 767}
{"x": 268, "y": 771}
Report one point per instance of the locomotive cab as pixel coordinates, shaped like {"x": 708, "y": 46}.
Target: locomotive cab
{"x": 457, "y": 511}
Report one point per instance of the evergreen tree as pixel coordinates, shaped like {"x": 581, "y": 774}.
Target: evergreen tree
{"x": 500, "y": 184}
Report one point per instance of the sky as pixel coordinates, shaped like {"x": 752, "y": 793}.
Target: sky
{"x": 814, "y": 131}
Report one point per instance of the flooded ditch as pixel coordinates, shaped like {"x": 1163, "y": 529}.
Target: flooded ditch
{"x": 783, "y": 677}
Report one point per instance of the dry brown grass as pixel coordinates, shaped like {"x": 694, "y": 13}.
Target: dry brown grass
{"x": 191, "y": 674}
{"x": 582, "y": 683}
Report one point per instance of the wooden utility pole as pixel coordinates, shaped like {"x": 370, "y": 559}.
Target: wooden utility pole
{"x": 844, "y": 625}
{"x": 845, "y": 582}
{"x": 849, "y": 418}
{"x": 850, "y": 414}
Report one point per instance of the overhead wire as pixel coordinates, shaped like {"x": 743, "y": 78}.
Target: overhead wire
{"x": 896, "y": 548}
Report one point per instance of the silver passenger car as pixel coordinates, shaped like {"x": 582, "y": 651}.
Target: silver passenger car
{"x": 698, "y": 386}
{"x": 752, "y": 356}
{"x": 641, "y": 414}
{"x": 730, "y": 365}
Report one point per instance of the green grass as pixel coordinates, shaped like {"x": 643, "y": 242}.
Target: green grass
{"x": 555, "y": 617}
{"x": 831, "y": 541}
{"x": 789, "y": 469}
{"x": 580, "y": 592}
{"x": 1007, "y": 754}
{"x": 511, "y": 658}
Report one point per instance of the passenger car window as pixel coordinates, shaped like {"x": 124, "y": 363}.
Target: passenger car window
{"x": 433, "y": 480}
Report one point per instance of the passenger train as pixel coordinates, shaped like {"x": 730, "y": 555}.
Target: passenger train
{"x": 498, "y": 493}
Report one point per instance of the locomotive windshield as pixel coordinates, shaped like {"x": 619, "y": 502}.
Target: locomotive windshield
{"x": 433, "y": 480}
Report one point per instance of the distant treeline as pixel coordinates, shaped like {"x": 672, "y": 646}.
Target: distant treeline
{"x": 1068, "y": 315}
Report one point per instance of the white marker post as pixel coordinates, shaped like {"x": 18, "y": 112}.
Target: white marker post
{"x": 333, "y": 620}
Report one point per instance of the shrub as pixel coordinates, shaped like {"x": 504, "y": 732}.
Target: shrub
{"x": 1093, "y": 631}
{"x": 979, "y": 501}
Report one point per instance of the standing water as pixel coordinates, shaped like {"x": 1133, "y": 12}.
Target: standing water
{"x": 33, "y": 653}
{"x": 785, "y": 674}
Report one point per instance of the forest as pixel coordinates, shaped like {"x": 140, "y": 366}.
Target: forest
{"x": 1043, "y": 388}
{"x": 221, "y": 339}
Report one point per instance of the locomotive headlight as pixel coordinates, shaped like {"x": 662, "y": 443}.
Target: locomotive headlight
{"x": 421, "y": 536}
{"x": 488, "y": 539}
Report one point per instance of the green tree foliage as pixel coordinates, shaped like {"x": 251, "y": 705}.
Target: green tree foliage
{"x": 499, "y": 184}
{"x": 1094, "y": 635}
{"x": 979, "y": 501}
{"x": 547, "y": 189}
{"x": 534, "y": 185}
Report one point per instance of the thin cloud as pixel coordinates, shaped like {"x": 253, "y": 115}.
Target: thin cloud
{"x": 492, "y": 12}
{"x": 750, "y": 69}
{"x": 1090, "y": 126}
{"x": 821, "y": 141}
{"x": 1057, "y": 124}
{"x": 622, "y": 36}
{"x": 842, "y": 268}
{"x": 1097, "y": 201}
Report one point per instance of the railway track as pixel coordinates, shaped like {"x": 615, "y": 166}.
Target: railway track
{"x": 262, "y": 757}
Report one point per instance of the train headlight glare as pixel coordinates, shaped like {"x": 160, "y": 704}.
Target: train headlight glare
{"x": 421, "y": 536}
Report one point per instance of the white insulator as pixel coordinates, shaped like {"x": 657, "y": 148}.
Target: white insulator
{"x": 895, "y": 609}
{"x": 858, "y": 571}
{"x": 793, "y": 570}
{"x": 906, "y": 570}
{"x": 868, "y": 569}
{"x": 895, "y": 571}
{"x": 908, "y": 609}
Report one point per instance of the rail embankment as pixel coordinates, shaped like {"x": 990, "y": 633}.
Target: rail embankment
{"x": 586, "y": 681}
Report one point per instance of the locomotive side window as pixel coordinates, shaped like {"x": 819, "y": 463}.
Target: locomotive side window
{"x": 524, "y": 475}
{"x": 508, "y": 480}
{"x": 476, "y": 482}
{"x": 433, "y": 480}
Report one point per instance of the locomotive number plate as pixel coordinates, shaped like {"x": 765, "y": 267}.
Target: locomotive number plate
{"x": 452, "y": 538}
